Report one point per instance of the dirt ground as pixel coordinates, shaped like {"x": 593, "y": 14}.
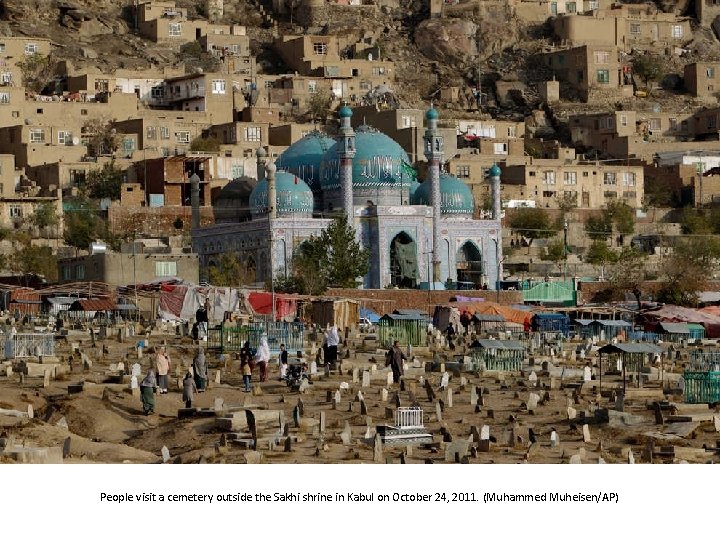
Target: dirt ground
{"x": 105, "y": 422}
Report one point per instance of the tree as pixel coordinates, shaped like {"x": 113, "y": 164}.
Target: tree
{"x": 531, "y": 223}
{"x": 102, "y": 139}
{"x": 687, "y": 271}
{"x": 37, "y": 71}
{"x": 307, "y": 270}
{"x": 319, "y": 104}
{"x": 598, "y": 227}
{"x": 82, "y": 227}
{"x": 600, "y": 255}
{"x": 344, "y": 260}
{"x": 694, "y": 221}
{"x": 105, "y": 183}
{"x": 555, "y": 252}
{"x": 30, "y": 259}
{"x": 229, "y": 272}
{"x": 205, "y": 144}
{"x": 628, "y": 273}
{"x": 45, "y": 216}
{"x": 621, "y": 215}
{"x": 649, "y": 67}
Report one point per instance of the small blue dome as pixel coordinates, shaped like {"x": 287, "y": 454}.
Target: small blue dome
{"x": 378, "y": 163}
{"x": 455, "y": 196}
{"x": 494, "y": 171}
{"x": 432, "y": 114}
{"x": 303, "y": 157}
{"x": 292, "y": 196}
{"x": 345, "y": 112}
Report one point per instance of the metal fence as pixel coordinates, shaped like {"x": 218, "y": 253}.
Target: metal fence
{"x": 704, "y": 361}
{"x": 490, "y": 360}
{"x": 29, "y": 345}
{"x": 232, "y": 339}
{"x": 702, "y": 387}
{"x": 407, "y": 332}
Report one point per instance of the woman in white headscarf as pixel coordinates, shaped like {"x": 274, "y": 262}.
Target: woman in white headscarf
{"x": 262, "y": 357}
{"x": 332, "y": 340}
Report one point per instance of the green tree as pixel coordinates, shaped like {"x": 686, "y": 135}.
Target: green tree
{"x": 598, "y": 227}
{"x": 555, "y": 252}
{"x": 30, "y": 259}
{"x": 82, "y": 227}
{"x": 229, "y": 271}
{"x": 628, "y": 274}
{"x": 344, "y": 260}
{"x": 308, "y": 272}
{"x": 205, "y": 144}
{"x": 649, "y": 67}
{"x": 688, "y": 270}
{"x": 105, "y": 183}
{"x": 621, "y": 215}
{"x": 531, "y": 223}
{"x": 599, "y": 254}
{"x": 45, "y": 216}
{"x": 101, "y": 136}
{"x": 37, "y": 71}
{"x": 694, "y": 221}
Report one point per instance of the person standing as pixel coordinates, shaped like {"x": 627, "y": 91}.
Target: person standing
{"x": 395, "y": 361}
{"x": 283, "y": 361}
{"x": 332, "y": 340}
{"x": 162, "y": 364}
{"x": 189, "y": 389}
{"x": 147, "y": 392}
{"x": 450, "y": 332}
{"x": 201, "y": 317}
{"x": 246, "y": 372}
{"x": 263, "y": 357}
{"x": 200, "y": 370}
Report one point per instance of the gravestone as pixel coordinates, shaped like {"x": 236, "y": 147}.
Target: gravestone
{"x": 328, "y": 396}
{"x": 355, "y": 375}
{"x": 219, "y": 404}
{"x": 346, "y": 434}
{"x": 449, "y": 398}
{"x": 253, "y": 457}
{"x": 136, "y": 370}
{"x": 62, "y": 423}
{"x": 445, "y": 380}
{"x": 532, "y": 379}
{"x": 631, "y": 458}
{"x": 575, "y": 459}
{"x": 133, "y": 383}
{"x": 716, "y": 422}
{"x": 66, "y": 447}
{"x": 389, "y": 380}
{"x": 296, "y": 416}
{"x": 659, "y": 420}
{"x": 304, "y": 386}
{"x": 366, "y": 379}
{"x": 473, "y": 395}
{"x": 571, "y": 413}
{"x": 217, "y": 377}
{"x": 620, "y": 402}
{"x": 322, "y": 421}
{"x": 463, "y": 382}
{"x": 338, "y": 397}
{"x": 165, "y": 454}
{"x": 430, "y": 392}
{"x": 554, "y": 439}
{"x": 587, "y": 374}
{"x": 252, "y": 426}
{"x": 456, "y": 451}
{"x": 378, "y": 450}
{"x": 383, "y": 394}
{"x": 484, "y": 445}
{"x": 554, "y": 384}
{"x": 438, "y": 411}
{"x": 287, "y": 446}
{"x": 363, "y": 408}
{"x": 313, "y": 368}
{"x": 531, "y": 436}
{"x": 532, "y": 401}
{"x": 586, "y": 433}
{"x": 46, "y": 378}
{"x": 474, "y": 434}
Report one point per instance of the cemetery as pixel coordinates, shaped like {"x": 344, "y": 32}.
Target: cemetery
{"x": 499, "y": 392}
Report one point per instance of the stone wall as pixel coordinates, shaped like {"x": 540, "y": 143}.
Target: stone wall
{"x": 320, "y": 15}
{"x": 386, "y": 300}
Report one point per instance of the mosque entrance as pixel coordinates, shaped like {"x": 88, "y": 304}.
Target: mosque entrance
{"x": 403, "y": 262}
{"x": 469, "y": 266}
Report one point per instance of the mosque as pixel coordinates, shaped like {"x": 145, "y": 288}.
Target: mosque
{"x": 420, "y": 235}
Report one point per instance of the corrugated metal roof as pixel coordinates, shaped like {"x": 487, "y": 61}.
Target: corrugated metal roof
{"x": 630, "y": 348}
{"x": 505, "y": 344}
{"x": 603, "y": 322}
{"x": 96, "y": 304}
{"x": 488, "y": 317}
{"x": 400, "y": 317}
{"x": 675, "y": 327}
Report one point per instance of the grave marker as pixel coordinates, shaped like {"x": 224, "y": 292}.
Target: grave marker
{"x": 165, "y": 454}
{"x": 586, "y": 433}
{"x": 554, "y": 439}
{"x": 532, "y": 379}
{"x": 365, "y": 379}
{"x": 438, "y": 411}
{"x": 449, "y": 398}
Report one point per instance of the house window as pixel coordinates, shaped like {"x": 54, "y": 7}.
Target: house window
{"x": 654, "y": 124}
{"x": 406, "y": 121}
{"x": 512, "y": 131}
{"x": 570, "y": 178}
{"x": 218, "y": 86}
{"x": 37, "y": 136}
{"x": 164, "y": 132}
{"x": 603, "y": 76}
{"x": 150, "y": 132}
{"x": 676, "y": 31}
{"x": 610, "y": 195}
{"x": 183, "y": 136}
{"x": 673, "y": 124}
{"x": 548, "y": 194}
{"x": 253, "y": 134}
{"x": 593, "y": 4}
{"x": 157, "y": 92}
{"x": 64, "y": 137}
{"x": 320, "y": 48}
{"x": 237, "y": 171}
{"x": 4, "y": 97}
{"x": 6, "y": 78}
{"x": 710, "y": 73}
{"x": 312, "y": 86}
{"x": 629, "y": 194}
{"x": 635, "y": 29}
{"x": 623, "y": 120}
{"x": 602, "y": 57}
{"x": 378, "y": 71}
{"x": 580, "y": 76}
{"x": 2, "y": 48}
{"x": 66, "y": 273}
{"x": 570, "y": 7}
{"x": 462, "y": 171}
{"x": 549, "y": 178}
{"x": 31, "y": 48}
{"x": 15, "y": 211}
{"x": 553, "y": 8}
{"x": 165, "y": 268}
{"x": 610, "y": 179}
{"x": 500, "y": 148}
{"x": 174, "y": 29}
{"x": 560, "y": 59}
{"x": 77, "y": 177}
{"x": 629, "y": 179}
{"x": 80, "y": 271}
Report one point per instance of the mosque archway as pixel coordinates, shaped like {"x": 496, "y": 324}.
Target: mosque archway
{"x": 250, "y": 270}
{"x": 403, "y": 261}
{"x": 469, "y": 266}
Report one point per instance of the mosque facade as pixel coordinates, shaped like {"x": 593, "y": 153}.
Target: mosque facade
{"x": 418, "y": 234}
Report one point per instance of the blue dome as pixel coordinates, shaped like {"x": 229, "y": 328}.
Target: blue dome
{"x": 378, "y": 163}
{"x": 494, "y": 171}
{"x": 432, "y": 114}
{"x": 455, "y": 196}
{"x": 345, "y": 112}
{"x": 303, "y": 157}
{"x": 292, "y": 196}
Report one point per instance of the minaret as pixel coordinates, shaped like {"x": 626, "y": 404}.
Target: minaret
{"x": 346, "y": 153}
{"x": 195, "y": 201}
{"x": 270, "y": 169}
{"x": 261, "y": 155}
{"x": 434, "y": 154}
{"x": 494, "y": 174}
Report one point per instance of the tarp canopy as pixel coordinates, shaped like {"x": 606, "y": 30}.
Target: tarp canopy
{"x": 674, "y": 328}
{"x": 369, "y": 314}
{"x": 706, "y": 316}
{"x": 504, "y": 344}
{"x": 285, "y": 305}
{"x": 491, "y": 308}
{"x": 630, "y": 348}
